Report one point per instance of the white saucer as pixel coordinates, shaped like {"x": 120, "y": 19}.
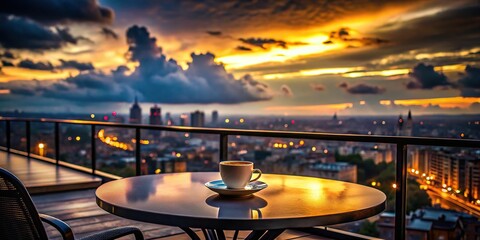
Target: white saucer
{"x": 219, "y": 187}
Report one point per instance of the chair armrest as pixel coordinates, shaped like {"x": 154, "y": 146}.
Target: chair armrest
{"x": 115, "y": 233}
{"x": 60, "y": 225}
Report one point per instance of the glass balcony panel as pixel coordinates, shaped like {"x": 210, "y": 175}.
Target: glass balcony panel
{"x": 115, "y": 151}
{"x": 18, "y": 136}
{"x": 42, "y": 139}
{"x": 3, "y": 131}
{"x": 75, "y": 145}
{"x": 164, "y": 152}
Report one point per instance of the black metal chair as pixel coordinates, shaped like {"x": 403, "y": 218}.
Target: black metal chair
{"x": 19, "y": 218}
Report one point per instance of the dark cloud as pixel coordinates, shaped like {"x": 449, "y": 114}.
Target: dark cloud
{"x": 286, "y": 90}
{"x": 22, "y": 33}
{"x": 343, "y": 85}
{"x": 27, "y": 63}
{"x": 470, "y": 83}
{"x": 239, "y": 16}
{"x": 214, "y": 33}
{"x": 156, "y": 79}
{"x": 76, "y": 65}
{"x": 7, "y": 55}
{"x": 263, "y": 43}
{"x": 54, "y": 11}
{"x": 362, "y": 88}
{"x": 120, "y": 71}
{"x": 317, "y": 86}
{"x": 109, "y": 33}
{"x": 425, "y": 77}
{"x": 343, "y": 35}
{"x": 6, "y": 63}
{"x": 243, "y": 48}
{"x": 141, "y": 45}
{"x": 472, "y": 78}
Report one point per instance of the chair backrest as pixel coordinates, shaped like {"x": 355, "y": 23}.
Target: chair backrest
{"x": 19, "y": 218}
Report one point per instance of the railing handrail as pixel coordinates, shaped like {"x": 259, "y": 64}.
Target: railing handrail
{"x": 406, "y": 140}
{"x": 401, "y": 143}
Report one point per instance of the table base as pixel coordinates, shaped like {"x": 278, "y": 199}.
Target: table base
{"x": 218, "y": 234}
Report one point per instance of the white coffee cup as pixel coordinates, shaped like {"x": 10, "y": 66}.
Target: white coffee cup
{"x": 237, "y": 174}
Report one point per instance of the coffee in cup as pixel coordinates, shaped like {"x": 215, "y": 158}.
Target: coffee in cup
{"x": 237, "y": 174}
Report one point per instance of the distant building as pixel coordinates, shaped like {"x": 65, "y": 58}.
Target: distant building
{"x": 420, "y": 159}
{"x": 168, "y": 119}
{"x": 183, "y": 119}
{"x": 155, "y": 115}
{"x": 215, "y": 117}
{"x": 135, "y": 113}
{"x": 432, "y": 223}
{"x": 472, "y": 180}
{"x": 197, "y": 119}
{"x": 335, "y": 118}
{"x": 338, "y": 171}
{"x": 404, "y": 128}
{"x": 399, "y": 126}
{"x": 408, "y": 130}
{"x": 458, "y": 171}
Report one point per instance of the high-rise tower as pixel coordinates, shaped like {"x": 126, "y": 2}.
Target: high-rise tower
{"x": 135, "y": 113}
{"x": 408, "y": 125}
{"x": 197, "y": 119}
{"x": 155, "y": 115}
{"x": 214, "y": 117}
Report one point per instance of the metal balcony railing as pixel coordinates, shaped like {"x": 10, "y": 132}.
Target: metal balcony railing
{"x": 400, "y": 142}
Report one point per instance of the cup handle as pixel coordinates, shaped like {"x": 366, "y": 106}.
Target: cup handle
{"x": 256, "y": 170}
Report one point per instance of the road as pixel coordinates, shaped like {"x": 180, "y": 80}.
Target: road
{"x": 451, "y": 202}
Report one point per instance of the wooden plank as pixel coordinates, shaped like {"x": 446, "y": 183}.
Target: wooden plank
{"x": 42, "y": 177}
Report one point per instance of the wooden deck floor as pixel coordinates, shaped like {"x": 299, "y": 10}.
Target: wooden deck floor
{"x": 41, "y": 177}
{"x": 57, "y": 194}
{"x": 79, "y": 210}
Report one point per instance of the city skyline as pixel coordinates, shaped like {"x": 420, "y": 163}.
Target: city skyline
{"x": 264, "y": 58}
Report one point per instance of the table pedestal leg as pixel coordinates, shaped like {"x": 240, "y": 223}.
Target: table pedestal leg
{"x": 217, "y": 234}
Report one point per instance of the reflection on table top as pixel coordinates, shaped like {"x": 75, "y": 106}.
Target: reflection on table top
{"x": 182, "y": 199}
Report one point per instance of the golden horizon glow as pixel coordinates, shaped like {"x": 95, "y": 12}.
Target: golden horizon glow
{"x": 447, "y": 102}
{"x": 311, "y": 109}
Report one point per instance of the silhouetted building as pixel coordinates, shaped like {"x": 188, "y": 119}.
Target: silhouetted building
{"x": 408, "y": 125}
{"x": 155, "y": 115}
{"x": 399, "y": 126}
{"x": 168, "y": 119}
{"x": 197, "y": 119}
{"x": 431, "y": 223}
{"x": 183, "y": 119}
{"x": 215, "y": 117}
{"x": 135, "y": 113}
{"x": 404, "y": 128}
{"x": 472, "y": 180}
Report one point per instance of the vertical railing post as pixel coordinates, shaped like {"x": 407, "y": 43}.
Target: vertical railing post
{"x": 93, "y": 149}
{"x": 401, "y": 191}
{"x": 138, "y": 157}
{"x": 57, "y": 142}
{"x": 27, "y": 132}
{"x": 7, "y": 134}
{"x": 223, "y": 147}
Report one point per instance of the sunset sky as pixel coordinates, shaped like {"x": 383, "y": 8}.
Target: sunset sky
{"x": 262, "y": 57}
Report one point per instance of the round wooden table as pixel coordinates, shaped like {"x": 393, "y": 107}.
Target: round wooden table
{"x": 181, "y": 199}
